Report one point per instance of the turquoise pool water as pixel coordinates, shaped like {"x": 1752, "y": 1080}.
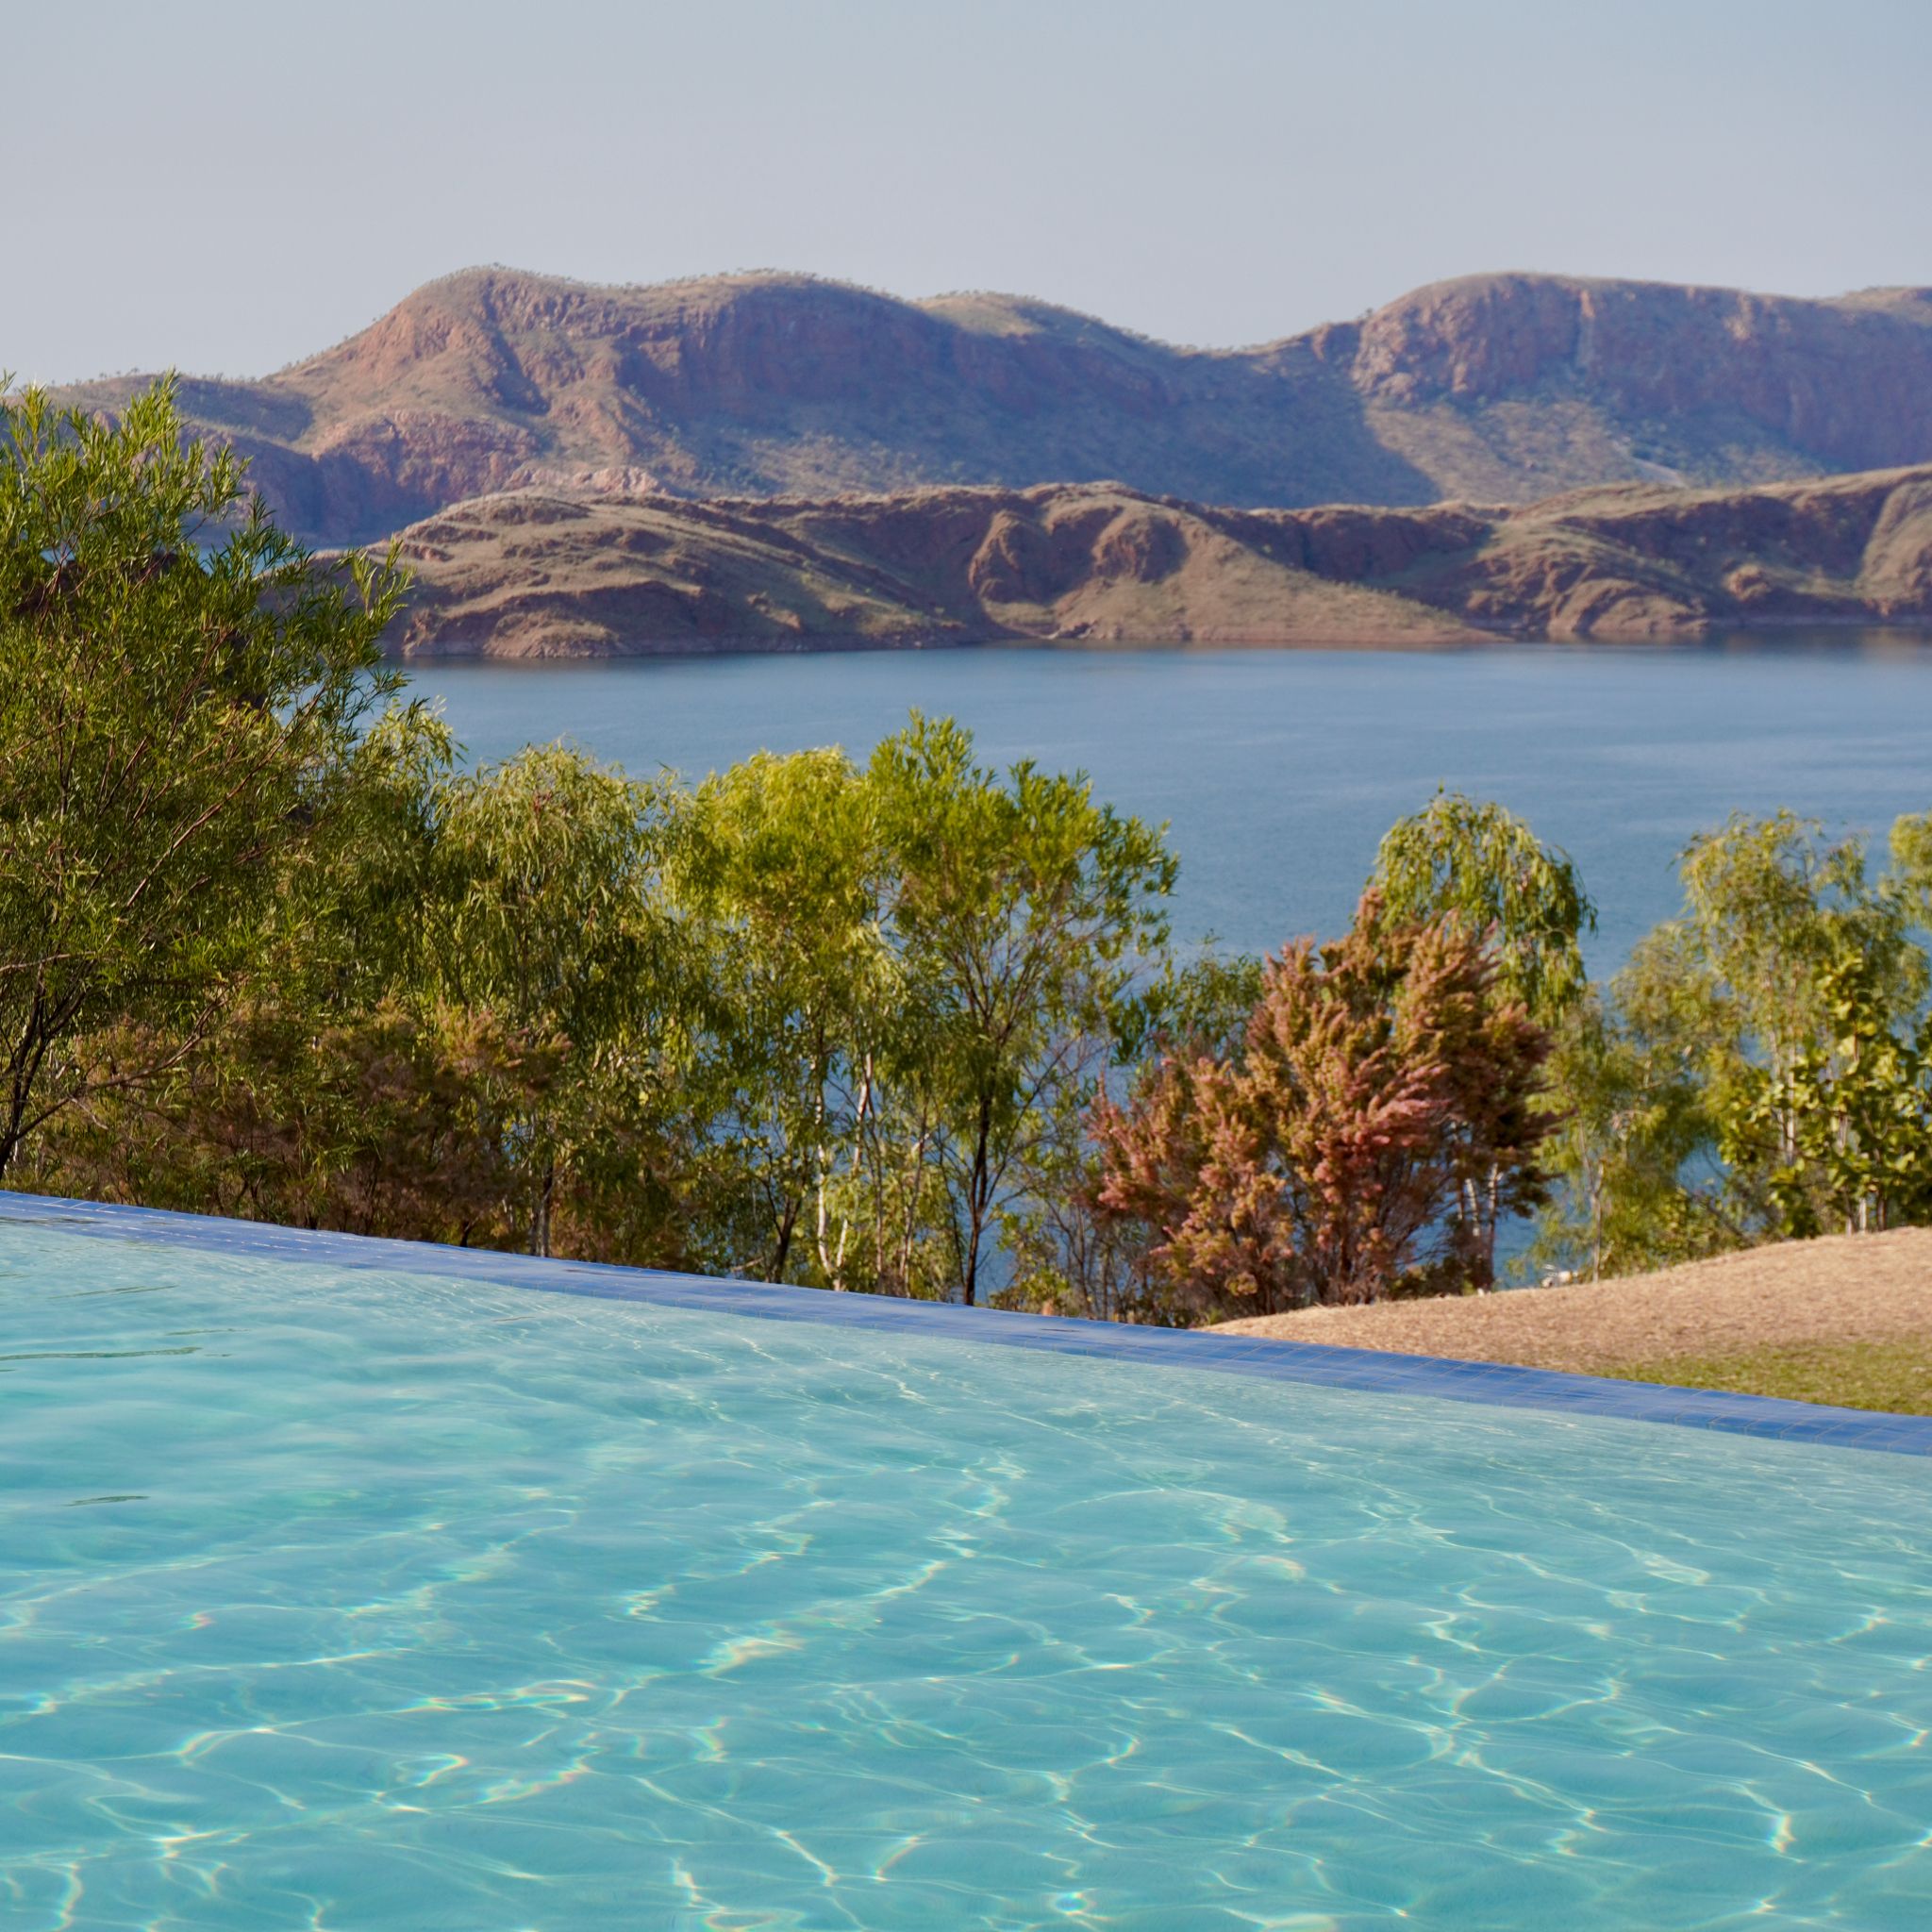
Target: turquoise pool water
{"x": 360, "y": 1601}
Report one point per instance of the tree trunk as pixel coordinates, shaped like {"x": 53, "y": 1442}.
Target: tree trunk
{"x": 540, "y": 1222}
{"x": 787, "y": 1221}
{"x": 978, "y": 1188}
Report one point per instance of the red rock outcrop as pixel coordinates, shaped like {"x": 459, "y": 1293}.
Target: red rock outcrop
{"x": 1501, "y": 387}
{"x": 539, "y": 574}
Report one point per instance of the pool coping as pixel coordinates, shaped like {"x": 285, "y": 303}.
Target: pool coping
{"x": 1495, "y": 1384}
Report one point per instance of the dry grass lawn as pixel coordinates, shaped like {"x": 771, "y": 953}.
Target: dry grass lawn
{"x": 1845, "y": 1320}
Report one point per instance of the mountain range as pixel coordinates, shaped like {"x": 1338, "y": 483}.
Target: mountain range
{"x": 1499, "y": 389}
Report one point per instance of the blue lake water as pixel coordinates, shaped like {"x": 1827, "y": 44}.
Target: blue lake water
{"x": 1278, "y": 770}
{"x": 386, "y": 1603}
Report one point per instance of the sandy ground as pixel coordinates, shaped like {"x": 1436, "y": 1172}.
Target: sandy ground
{"x": 1868, "y": 1287}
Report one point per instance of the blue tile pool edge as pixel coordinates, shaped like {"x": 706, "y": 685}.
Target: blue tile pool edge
{"x": 1497, "y": 1384}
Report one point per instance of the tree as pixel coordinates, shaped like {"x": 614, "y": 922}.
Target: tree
{"x": 1640, "y": 1181}
{"x": 1477, "y": 864}
{"x": 181, "y": 690}
{"x": 1775, "y": 915}
{"x": 383, "y": 1121}
{"x": 1069, "y": 1256}
{"x": 1021, "y": 909}
{"x": 1329, "y": 1163}
{"x": 779, "y": 864}
{"x": 1754, "y": 1073}
{"x": 544, "y": 913}
{"x": 1910, "y": 872}
{"x": 1846, "y": 1127}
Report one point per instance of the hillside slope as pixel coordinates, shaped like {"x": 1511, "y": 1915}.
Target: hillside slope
{"x": 534, "y": 574}
{"x": 1500, "y": 388}
{"x": 1843, "y": 1319}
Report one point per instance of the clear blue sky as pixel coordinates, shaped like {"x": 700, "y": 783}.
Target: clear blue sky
{"x": 224, "y": 187}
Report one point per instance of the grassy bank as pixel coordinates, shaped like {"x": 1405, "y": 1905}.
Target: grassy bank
{"x": 1845, "y": 1319}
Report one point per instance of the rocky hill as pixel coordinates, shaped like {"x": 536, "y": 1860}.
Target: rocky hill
{"x": 534, "y": 573}
{"x": 1498, "y": 388}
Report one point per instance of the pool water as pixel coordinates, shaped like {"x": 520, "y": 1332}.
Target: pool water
{"x": 358, "y": 1601}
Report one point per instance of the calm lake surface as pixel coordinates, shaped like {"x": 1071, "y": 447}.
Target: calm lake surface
{"x": 1278, "y": 770}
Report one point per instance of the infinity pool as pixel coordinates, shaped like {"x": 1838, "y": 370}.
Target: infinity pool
{"x": 354, "y": 1600}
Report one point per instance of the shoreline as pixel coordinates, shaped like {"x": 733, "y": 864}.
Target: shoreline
{"x": 1744, "y": 640}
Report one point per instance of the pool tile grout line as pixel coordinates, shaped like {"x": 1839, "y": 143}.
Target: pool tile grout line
{"x": 1496, "y": 1384}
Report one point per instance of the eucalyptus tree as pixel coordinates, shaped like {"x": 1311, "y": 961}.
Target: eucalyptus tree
{"x": 1021, "y": 911}
{"x": 1808, "y": 960}
{"x": 1769, "y": 903}
{"x": 182, "y": 686}
{"x": 1910, "y": 872}
{"x": 779, "y": 864}
{"x": 544, "y": 912}
{"x": 1757, "y": 1069}
{"x": 1637, "y": 1149}
{"x": 1477, "y": 864}
{"x": 1849, "y": 1113}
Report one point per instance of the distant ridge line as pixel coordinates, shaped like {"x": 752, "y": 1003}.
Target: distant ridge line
{"x": 1504, "y": 388}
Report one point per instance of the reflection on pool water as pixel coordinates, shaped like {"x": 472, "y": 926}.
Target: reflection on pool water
{"x": 346, "y": 1600}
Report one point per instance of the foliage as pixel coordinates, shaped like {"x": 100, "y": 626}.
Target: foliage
{"x": 1634, "y": 1155}
{"x": 265, "y": 948}
{"x": 780, "y": 862}
{"x": 1477, "y": 864}
{"x": 1845, "y": 1129}
{"x": 1069, "y": 1256}
{"x": 1911, "y": 865}
{"x": 382, "y": 1123}
{"x": 177, "y": 721}
{"x": 1768, "y": 905}
{"x": 543, "y": 914}
{"x": 1757, "y": 1071}
{"x": 1021, "y": 909}
{"x": 1329, "y": 1164}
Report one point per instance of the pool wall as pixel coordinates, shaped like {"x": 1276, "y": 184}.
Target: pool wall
{"x": 1500, "y": 1385}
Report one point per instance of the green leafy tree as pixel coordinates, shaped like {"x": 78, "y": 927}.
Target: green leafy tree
{"x": 1022, "y": 910}
{"x": 181, "y": 690}
{"x": 1845, "y": 1129}
{"x": 1774, "y": 911}
{"x": 1635, "y": 1152}
{"x": 544, "y": 912}
{"x": 1473, "y": 862}
{"x": 382, "y": 1122}
{"x": 778, "y": 861}
{"x": 1752, "y": 1073}
{"x": 1910, "y": 875}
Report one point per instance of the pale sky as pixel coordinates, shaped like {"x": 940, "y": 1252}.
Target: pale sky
{"x": 224, "y": 187}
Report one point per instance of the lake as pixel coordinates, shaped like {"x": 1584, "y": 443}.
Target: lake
{"x": 1278, "y": 770}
